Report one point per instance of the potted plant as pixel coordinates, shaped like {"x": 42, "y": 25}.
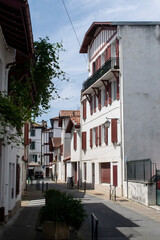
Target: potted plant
{"x": 61, "y": 211}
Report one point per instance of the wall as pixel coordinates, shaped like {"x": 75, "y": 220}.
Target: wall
{"x": 140, "y": 85}
{"x": 141, "y": 192}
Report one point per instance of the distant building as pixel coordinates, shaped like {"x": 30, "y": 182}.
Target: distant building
{"x": 35, "y": 149}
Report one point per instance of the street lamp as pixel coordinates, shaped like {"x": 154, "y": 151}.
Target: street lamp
{"x": 107, "y": 123}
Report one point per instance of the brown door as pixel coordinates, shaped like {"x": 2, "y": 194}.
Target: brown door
{"x": 65, "y": 172}
{"x": 93, "y": 175}
{"x": 75, "y": 172}
{"x": 114, "y": 175}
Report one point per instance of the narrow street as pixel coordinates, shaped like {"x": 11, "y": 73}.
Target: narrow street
{"x": 117, "y": 220}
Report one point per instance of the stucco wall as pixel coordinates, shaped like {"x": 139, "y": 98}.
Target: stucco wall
{"x": 140, "y": 85}
{"x": 141, "y": 192}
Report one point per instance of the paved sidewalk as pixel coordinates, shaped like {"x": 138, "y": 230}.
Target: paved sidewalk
{"x": 123, "y": 219}
{"x": 22, "y": 226}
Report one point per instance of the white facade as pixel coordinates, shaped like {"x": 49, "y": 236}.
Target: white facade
{"x": 10, "y": 155}
{"x": 35, "y": 150}
{"x": 136, "y": 49}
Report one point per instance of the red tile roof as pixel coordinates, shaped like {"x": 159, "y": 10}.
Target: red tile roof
{"x": 74, "y": 121}
{"x": 69, "y": 113}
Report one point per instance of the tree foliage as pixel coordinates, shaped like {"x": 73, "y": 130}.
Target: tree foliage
{"x": 29, "y": 97}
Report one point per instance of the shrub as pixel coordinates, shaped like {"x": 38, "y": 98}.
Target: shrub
{"x": 63, "y": 207}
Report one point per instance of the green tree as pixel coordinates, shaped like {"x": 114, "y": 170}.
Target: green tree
{"x": 30, "y": 96}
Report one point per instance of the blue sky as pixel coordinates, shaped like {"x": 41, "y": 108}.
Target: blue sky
{"x": 49, "y": 18}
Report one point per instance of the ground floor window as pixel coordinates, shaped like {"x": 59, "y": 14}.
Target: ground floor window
{"x": 105, "y": 173}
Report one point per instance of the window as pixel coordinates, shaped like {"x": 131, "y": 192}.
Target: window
{"x": 114, "y": 91}
{"x": 99, "y": 99}
{"x": 100, "y": 139}
{"x": 95, "y": 105}
{"x": 32, "y": 132}
{"x": 32, "y": 146}
{"x": 91, "y": 140}
{"x": 35, "y": 158}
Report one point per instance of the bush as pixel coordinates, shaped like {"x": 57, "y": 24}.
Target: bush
{"x": 63, "y": 207}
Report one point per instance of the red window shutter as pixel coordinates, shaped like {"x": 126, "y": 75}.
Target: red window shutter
{"x": 109, "y": 93}
{"x": 118, "y": 88}
{"x": 100, "y": 136}
{"x": 106, "y": 54}
{"x": 84, "y": 135}
{"x": 106, "y": 96}
{"x": 95, "y": 103}
{"x": 91, "y": 106}
{"x": 117, "y": 52}
{"x": 109, "y": 52}
{"x": 75, "y": 141}
{"x": 115, "y": 175}
{"x": 91, "y": 141}
{"x": 84, "y": 109}
{"x": 96, "y": 136}
{"x": 114, "y": 130}
{"x": 99, "y": 99}
{"x": 61, "y": 149}
{"x": 105, "y": 173}
{"x": 106, "y": 135}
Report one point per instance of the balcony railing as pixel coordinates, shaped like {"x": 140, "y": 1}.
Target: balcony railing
{"x": 110, "y": 64}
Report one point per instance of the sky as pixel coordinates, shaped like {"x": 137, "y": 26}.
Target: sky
{"x": 49, "y": 18}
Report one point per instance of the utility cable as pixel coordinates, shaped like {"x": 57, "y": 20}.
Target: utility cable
{"x": 73, "y": 27}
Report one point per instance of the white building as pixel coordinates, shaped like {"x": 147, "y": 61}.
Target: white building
{"x": 35, "y": 149}
{"x": 66, "y": 167}
{"x": 123, "y": 89}
{"x": 74, "y": 128}
{"x": 13, "y": 158}
{"x": 56, "y": 144}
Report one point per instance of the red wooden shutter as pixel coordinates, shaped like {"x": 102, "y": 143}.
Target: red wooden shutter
{"x": 105, "y": 173}
{"x": 100, "y": 136}
{"x": 109, "y": 52}
{"x": 61, "y": 149}
{"x": 114, "y": 175}
{"x": 96, "y": 136}
{"x": 106, "y": 135}
{"x": 118, "y": 88}
{"x": 106, "y": 96}
{"x": 91, "y": 141}
{"x": 84, "y": 109}
{"x": 75, "y": 141}
{"x": 99, "y": 99}
{"x": 99, "y": 62}
{"x": 91, "y": 106}
{"x": 106, "y": 54}
{"x": 26, "y": 133}
{"x": 95, "y": 103}
{"x": 109, "y": 93}
{"x": 84, "y": 135}
{"x": 114, "y": 130}
{"x": 117, "y": 52}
